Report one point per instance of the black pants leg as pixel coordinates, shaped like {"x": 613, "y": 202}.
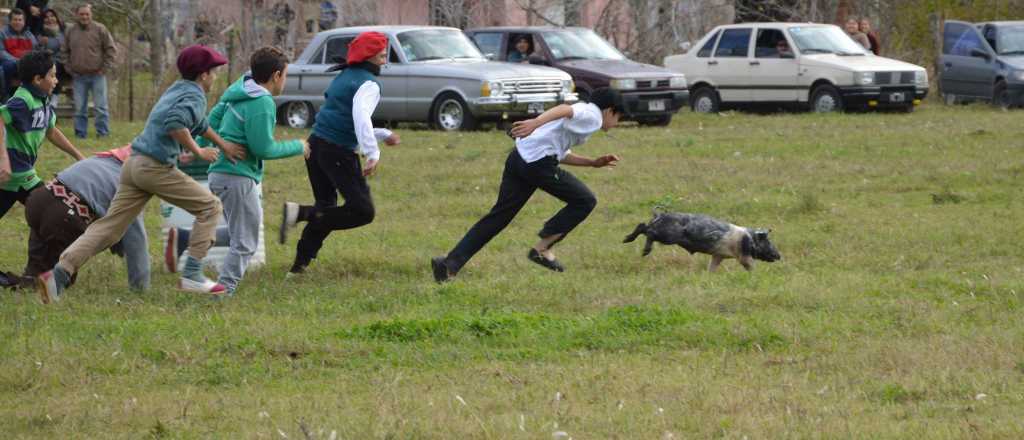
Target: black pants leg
{"x": 333, "y": 170}
{"x": 52, "y": 230}
{"x": 580, "y": 202}
{"x": 514, "y": 192}
{"x": 8, "y": 198}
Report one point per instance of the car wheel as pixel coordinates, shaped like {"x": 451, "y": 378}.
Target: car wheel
{"x": 705, "y": 100}
{"x": 296, "y": 114}
{"x": 826, "y": 99}
{"x": 450, "y": 113}
{"x": 656, "y": 121}
{"x": 1001, "y": 96}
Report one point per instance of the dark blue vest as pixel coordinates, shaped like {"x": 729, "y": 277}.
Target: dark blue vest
{"x": 334, "y": 122}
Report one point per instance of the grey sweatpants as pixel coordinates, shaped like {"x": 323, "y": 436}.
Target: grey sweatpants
{"x": 243, "y": 211}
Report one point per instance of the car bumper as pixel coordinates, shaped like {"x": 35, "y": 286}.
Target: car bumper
{"x": 518, "y": 106}
{"x": 654, "y": 103}
{"x": 883, "y": 96}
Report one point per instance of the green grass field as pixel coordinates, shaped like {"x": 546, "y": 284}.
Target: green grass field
{"x": 895, "y": 312}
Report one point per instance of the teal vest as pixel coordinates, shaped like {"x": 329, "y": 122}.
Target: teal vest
{"x": 334, "y": 120}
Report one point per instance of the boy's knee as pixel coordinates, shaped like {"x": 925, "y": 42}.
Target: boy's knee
{"x": 365, "y": 213}
{"x": 212, "y": 210}
{"x": 588, "y": 202}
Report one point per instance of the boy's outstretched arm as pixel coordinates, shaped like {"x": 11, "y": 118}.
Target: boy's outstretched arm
{"x": 55, "y": 136}
{"x": 184, "y": 138}
{"x": 231, "y": 150}
{"x": 608, "y": 160}
{"x": 524, "y": 128}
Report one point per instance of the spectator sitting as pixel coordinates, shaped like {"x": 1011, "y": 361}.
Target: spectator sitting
{"x": 853, "y": 28}
{"x": 865, "y": 28}
{"x": 52, "y": 36}
{"x": 523, "y": 50}
{"x": 33, "y": 10}
{"x": 15, "y": 41}
{"x": 782, "y": 48}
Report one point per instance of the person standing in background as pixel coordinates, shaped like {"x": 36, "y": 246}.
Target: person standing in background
{"x": 88, "y": 54}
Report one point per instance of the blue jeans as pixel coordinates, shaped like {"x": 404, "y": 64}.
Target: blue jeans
{"x": 97, "y": 84}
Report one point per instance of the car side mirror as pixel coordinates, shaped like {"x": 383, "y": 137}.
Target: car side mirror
{"x": 978, "y": 53}
{"x": 685, "y": 46}
{"x": 537, "y": 59}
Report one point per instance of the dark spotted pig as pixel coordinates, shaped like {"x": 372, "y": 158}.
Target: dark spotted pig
{"x": 707, "y": 235}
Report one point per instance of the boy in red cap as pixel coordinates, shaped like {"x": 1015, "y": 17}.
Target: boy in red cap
{"x": 177, "y": 117}
{"x": 342, "y": 131}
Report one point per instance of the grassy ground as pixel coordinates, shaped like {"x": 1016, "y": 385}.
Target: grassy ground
{"x": 895, "y": 312}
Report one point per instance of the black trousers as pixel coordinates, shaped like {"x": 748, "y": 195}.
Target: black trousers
{"x": 333, "y": 169}
{"x": 518, "y": 183}
{"x": 53, "y": 227}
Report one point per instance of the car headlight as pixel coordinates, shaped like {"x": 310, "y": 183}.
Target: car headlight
{"x": 921, "y": 77}
{"x": 864, "y": 78}
{"x": 491, "y": 88}
{"x": 568, "y": 86}
{"x": 677, "y": 82}
{"x": 1018, "y": 74}
{"x": 623, "y": 84}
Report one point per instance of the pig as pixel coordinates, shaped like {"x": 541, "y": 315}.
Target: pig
{"x": 707, "y": 235}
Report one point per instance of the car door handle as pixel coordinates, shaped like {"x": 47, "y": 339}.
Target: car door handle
{"x": 712, "y": 63}
{"x": 305, "y": 70}
{"x": 755, "y": 63}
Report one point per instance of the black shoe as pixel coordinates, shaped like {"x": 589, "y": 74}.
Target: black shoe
{"x": 536, "y": 257}
{"x": 441, "y": 274}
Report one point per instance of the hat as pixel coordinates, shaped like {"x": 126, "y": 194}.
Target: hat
{"x": 365, "y": 46}
{"x": 196, "y": 59}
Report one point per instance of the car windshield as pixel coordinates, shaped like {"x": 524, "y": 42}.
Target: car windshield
{"x": 580, "y": 44}
{"x": 1010, "y": 40}
{"x": 436, "y": 44}
{"x": 824, "y": 39}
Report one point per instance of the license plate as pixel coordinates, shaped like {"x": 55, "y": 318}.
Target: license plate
{"x": 535, "y": 108}
{"x": 896, "y": 97}
{"x": 656, "y": 105}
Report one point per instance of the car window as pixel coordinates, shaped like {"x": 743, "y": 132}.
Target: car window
{"x": 488, "y": 42}
{"x": 1010, "y": 40}
{"x": 705, "y": 51}
{"x": 393, "y": 55}
{"x": 735, "y": 43}
{"x": 958, "y": 39}
{"x": 771, "y": 43}
{"x": 580, "y": 44}
{"x": 336, "y": 50}
{"x": 437, "y": 44}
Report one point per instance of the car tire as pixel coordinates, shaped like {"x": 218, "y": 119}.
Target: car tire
{"x": 656, "y": 121}
{"x": 450, "y": 113}
{"x": 296, "y": 114}
{"x": 1000, "y": 96}
{"x": 826, "y": 99}
{"x": 705, "y": 100}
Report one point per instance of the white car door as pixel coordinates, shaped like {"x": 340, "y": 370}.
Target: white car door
{"x": 773, "y": 68}
{"x": 730, "y": 65}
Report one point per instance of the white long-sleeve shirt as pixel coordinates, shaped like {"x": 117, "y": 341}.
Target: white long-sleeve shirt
{"x": 556, "y": 138}
{"x": 363, "y": 104}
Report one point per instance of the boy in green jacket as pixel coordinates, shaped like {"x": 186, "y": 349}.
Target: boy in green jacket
{"x": 246, "y": 115}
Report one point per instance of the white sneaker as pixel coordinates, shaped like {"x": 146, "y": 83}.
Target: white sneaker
{"x": 289, "y": 218}
{"x": 204, "y": 286}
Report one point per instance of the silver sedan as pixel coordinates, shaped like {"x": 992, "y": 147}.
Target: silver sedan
{"x": 433, "y": 74}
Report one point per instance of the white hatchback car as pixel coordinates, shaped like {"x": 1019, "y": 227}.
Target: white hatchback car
{"x": 815, "y": 65}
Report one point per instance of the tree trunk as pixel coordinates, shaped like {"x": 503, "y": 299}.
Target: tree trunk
{"x": 572, "y": 12}
{"x": 157, "y": 50}
{"x": 843, "y": 11}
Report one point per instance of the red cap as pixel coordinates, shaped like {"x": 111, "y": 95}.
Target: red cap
{"x": 196, "y": 59}
{"x": 365, "y": 46}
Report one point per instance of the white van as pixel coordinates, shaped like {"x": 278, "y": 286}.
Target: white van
{"x": 813, "y": 65}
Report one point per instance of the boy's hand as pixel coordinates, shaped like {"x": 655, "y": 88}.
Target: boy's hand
{"x": 305, "y": 149}
{"x": 608, "y": 160}
{"x": 186, "y": 158}
{"x": 5, "y": 172}
{"x": 522, "y": 129}
{"x": 393, "y": 139}
{"x": 209, "y": 154}
{"x": 369, "y": 168}
{"x": 233, "y": 151}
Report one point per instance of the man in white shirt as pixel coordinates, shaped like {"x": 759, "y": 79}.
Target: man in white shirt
{"x": 541, "y": 144}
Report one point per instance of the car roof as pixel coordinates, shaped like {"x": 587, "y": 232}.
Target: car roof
{"x": 1000, "y": 23}
{"x": 390, "y": 30}
{"x": 524, "y": 28}
{"x": 777, "y": 24}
